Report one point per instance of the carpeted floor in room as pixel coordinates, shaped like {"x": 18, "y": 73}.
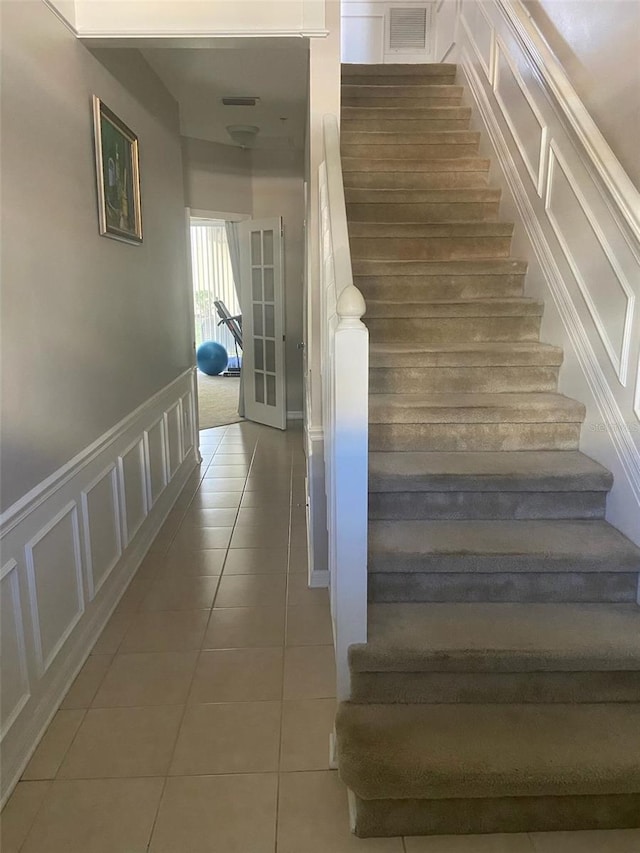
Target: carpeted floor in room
{"x": 218, "y": 400}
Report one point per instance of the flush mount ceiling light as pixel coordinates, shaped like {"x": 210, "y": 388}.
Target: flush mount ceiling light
{"x": 243, "y": 135}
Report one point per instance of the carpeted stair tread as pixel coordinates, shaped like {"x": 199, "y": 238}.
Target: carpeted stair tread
{"x": 486, "y": 471}
{"x": 432, "y": 69}
{"x": 499, "y": 637}
{"x": 487, "y": 354}
{"x": 355, "y": 195}
{"x": 467, "y": 751}
{"x": 516, "y": 306}
{"x": 505, "y": 545}
{"x": 483, "y": 266}
{"x": 442, "y": 230}
{"x": 474, "y": 408}
{"x": 374, "y": 164}
{"x": 374, "y": 112}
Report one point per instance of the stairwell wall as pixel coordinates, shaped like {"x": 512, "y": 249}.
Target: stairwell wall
{"x": 574, "y": 208}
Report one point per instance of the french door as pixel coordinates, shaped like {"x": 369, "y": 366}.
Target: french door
{"x": 263, "y": 340}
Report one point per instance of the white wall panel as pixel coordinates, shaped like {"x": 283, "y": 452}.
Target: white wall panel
{"x": 173, "y": 427}
{"x": 603, "y": 285}
{"x": 54, "y": 575}
{"x": 480, "y": 33}
{"x": 101, "y": 528}
{"x": 188, "y": 435}
{"x": 156, "y": 460}
{"x": 362, "y": 38}
{"x": 14, "y": 683}
{"x": 524, "y": 120}
{"x": 133, "y": 486}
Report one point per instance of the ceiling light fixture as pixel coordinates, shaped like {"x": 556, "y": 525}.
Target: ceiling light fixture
{"x": 243, "y": 135}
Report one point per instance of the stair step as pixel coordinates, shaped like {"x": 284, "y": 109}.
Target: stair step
{"x": 415, "y": 72}
{"x": 478, "y": 279}
{"x": 399, "y": 113}
{"x": 433, "y": 146}
{"x": 498, "y": 653}
{"x": 431, "y": 241}
{"x": 422, "y": 179}
{"x": 436, "y": 769}
{"x": 485, "y": 486}
{"x": 407, "y": 99}
{"x": 365, "y": 91}
{"x": 516, "y": 307}
{"x": 410, "y": 205}
{"x": 411, "y": 124}
{"x": 440, "y": 329}
{"x": 494, "y": 561}
{"x": 396, "y": 165}
{"x": 463, "y": 368}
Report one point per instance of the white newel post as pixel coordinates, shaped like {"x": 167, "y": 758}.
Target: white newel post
{"x": 345, "y": 380}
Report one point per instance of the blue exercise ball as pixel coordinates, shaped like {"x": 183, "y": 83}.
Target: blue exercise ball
{"x": 212, "y": 358}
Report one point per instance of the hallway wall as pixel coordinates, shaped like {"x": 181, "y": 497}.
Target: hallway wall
{"x": 216, "y": 177}
{"x": 91, "y": 327}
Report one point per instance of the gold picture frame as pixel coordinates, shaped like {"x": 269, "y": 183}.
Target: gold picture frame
{"x": 118, "y": 176}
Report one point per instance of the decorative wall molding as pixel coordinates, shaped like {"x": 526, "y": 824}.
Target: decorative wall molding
{"x": 72, "y": 546}
{"x": 619, "y": 433}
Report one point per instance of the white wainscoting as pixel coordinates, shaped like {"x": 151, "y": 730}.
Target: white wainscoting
{"x": 575, "y": 225}
{"x": 70, "y": 548}
{"x": 365, "y": 31}
{"x": 316, "y": 508}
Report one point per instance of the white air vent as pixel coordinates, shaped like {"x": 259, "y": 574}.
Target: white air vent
{"x": 408, "y": 28}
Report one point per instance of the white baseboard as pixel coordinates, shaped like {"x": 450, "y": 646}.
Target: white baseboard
{"x": 295, "y": 416}
{"x": 319, "y": 578}
{"x": 115, "y": 495}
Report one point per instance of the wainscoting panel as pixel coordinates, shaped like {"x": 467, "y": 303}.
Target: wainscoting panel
{"x": 133, "y": 489}
{"x": 156, "y": 458}
{"x": 172, "y": 427}
{"x": 101, "y": 520}
{"x": 70, "y": 548}
{"x": 54, "y": 577}
{"x": 14, "y": 687}
{"x": 577, "y": 220}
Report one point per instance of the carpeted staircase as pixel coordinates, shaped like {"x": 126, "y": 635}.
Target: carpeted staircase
{"x": 499, "y": 690}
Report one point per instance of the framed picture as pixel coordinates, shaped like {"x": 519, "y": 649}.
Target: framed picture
{"x": 118, "y": 174}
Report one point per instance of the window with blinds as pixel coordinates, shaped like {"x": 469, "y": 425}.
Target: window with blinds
{"x": 212, "y": 279}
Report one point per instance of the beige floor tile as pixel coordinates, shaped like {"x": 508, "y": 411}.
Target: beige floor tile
{"x": 298, "y": 591}
{"x": 309, "y": 672}
{"x": 222, "y": 484}
{"x": 51, "y": 750}
{"x": 109, "y": 640}
{"x": 261, "y": 515}
{"x": 251, "y": 591}
{"x": 236, "y": 737}
{"x": 306, "y": 727}
{"x": 153, "y": 678}
{"x": 96, "y": 816}
{"x": 506, "y": 843}
{"x": 216, "y": 500}
{"x": 221, "y": 517}
{"x": 202, "y": 538}
{"x": 309, "y": 625}
{"x": 298, "y": 536}
{"x": 313, "y": 817}
{"x": 237, "y": 675}
{"x": 298, "y": 560}
{"x": 601, "y": 841}
{"x": 207, "y": 814}
{"x": 245, "y": 627}
{"x": 119, "y": 742}
{"x": 135, "y": 594}
{"x": 181, "y": 593}
{"x": 259, "y": 537}
{"x": 181, "y": 562}
{"x": 226, "y": 471}
{"x": 19, "y": 814}
{"x": 256, "y": 561}
{"x": 166, "y": 631}
{"x": 86, "y": 685}
{"x": 150, "y": 568}
{"x": 237, "y": 456}
{"x": 265, "y": 498}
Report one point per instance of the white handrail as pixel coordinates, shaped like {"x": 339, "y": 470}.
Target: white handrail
{"x": 345, "y": 413}
{"x": 608, "y": 167}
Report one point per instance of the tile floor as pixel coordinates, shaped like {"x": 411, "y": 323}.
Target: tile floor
{"x": 200, "y": 722}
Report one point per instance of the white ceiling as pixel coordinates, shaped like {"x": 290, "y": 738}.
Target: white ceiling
{"x": 274, "y": 70}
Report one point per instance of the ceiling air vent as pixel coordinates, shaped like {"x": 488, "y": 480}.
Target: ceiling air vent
{"x": 240, "y": 102}
{"x": 408, "y": 28}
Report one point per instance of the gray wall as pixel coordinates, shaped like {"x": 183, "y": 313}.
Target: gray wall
{"x": 598, "y": 44}
{"x": 91, "y": 327}
{"x": 216, "y": 177}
